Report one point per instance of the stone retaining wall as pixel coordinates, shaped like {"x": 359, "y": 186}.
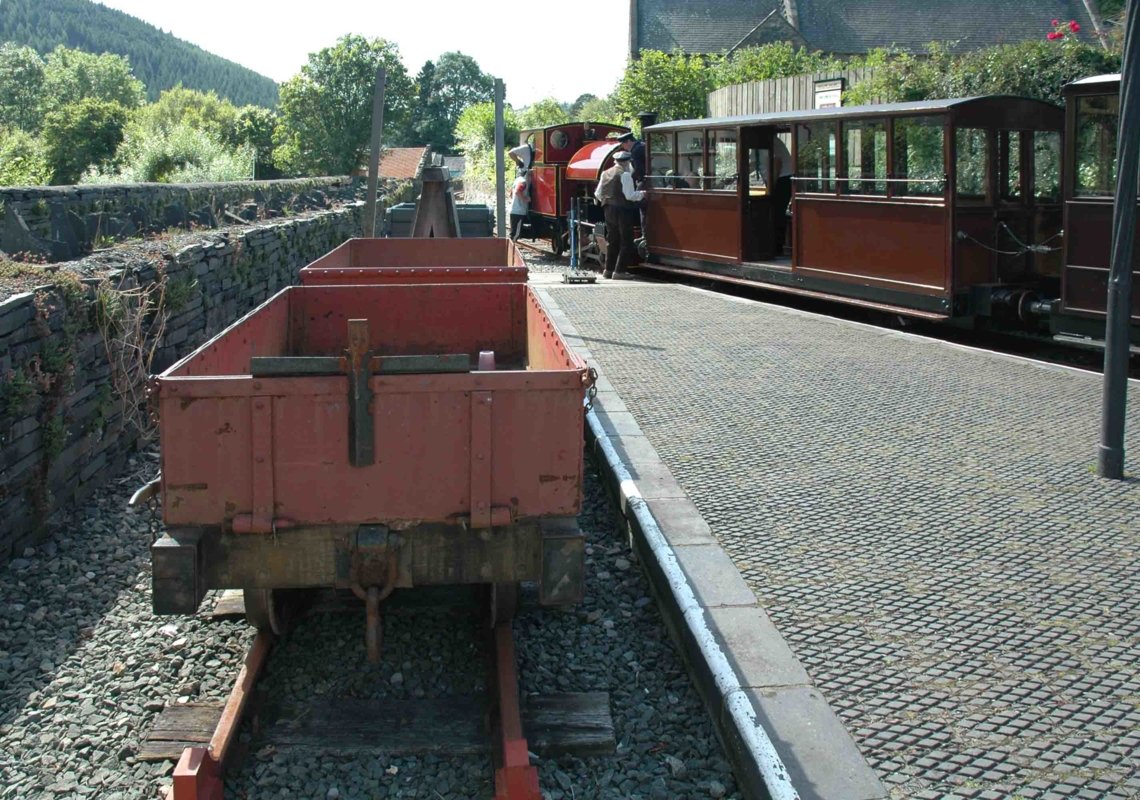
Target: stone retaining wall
{"x": 64, "y": 222}
{"x": 65, "y": 412}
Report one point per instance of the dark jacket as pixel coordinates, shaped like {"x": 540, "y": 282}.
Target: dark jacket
{"x": 609, "y": 188}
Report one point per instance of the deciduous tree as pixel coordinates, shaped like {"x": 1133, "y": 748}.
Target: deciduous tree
{"x": 72, "y": 75}
{"x": 674, "y": 85}
{"x": 81, "y": 135}
{"x": 542, "y": 113}
{"x": 21, "y": 85}
{"x": 326, "y": 109}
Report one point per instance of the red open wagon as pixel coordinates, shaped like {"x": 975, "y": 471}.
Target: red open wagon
{"x": 375, "y": 436}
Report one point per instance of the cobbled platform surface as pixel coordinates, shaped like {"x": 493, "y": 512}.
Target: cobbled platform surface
{"x": 921, "y": 521}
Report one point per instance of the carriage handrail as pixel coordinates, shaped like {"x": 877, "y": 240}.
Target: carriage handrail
{"x": 871, "y": 180}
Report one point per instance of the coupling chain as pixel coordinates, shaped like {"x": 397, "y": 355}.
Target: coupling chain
{"x": 591, "y": 388}
{"x": 154, "y": 516}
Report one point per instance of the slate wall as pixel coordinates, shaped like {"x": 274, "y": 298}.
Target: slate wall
{"x": 64, "y": 423}
{"x": 64, "y": 222}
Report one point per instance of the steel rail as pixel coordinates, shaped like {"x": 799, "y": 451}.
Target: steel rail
{"x": 198, "y": 775}
{"x": 515, "y": 778}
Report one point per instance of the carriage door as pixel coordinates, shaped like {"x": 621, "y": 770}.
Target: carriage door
{"x": 758, "y": 233}
{"x": 1013, "y": 213}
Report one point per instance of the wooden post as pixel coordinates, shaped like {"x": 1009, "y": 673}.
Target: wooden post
{"x": 500, "y": 166}
{"x": 374, "y": 153}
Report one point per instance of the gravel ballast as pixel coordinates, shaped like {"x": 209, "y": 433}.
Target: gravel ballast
{"x": 85, "y": 668}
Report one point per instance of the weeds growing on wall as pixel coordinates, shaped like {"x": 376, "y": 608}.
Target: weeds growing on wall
{"x": 131, "y": 320}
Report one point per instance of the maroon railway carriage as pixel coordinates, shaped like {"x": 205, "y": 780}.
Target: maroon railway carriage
{"x": 1092, "y": 117}
{"x": 947, "y": 210}
{"x": 568, "y": 161}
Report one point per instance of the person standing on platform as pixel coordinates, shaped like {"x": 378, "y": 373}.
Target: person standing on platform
{"x": 523, "y": 155}
{"x": 782, "y": 168}
{"x": 520, "y": 203}
{"x": 636, "y": 149}
{"x": 617, "y": 196}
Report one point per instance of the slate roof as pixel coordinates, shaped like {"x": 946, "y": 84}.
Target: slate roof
{"x": 844, "y": 26}
{"x": 841, "y": 26}
{"x": 698, "y": 26}
{"x": 402, "y": 163}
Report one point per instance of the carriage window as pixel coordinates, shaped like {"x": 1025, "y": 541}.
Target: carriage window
{"x": 1047, "y": 165}
{"x": 919, "y": 160}
{"x": 690, "y": 159}
{"x": 1009, "y": 148}
{"x": 972, "y": 148}
{"x": 661, "y": 160}
{"x": 1097, "y": 119}
{"x": 815, "y": 157}
{"x": 866, "y": 154}
{"x": 722, "y": 159}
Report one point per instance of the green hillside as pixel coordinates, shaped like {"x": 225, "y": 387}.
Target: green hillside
{"x": 158, "y": 59}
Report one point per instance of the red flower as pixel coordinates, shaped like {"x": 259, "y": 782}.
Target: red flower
{"x": 1054, "y": 35}
{"x": 1074, "y": 26}
{"x": 1055, "y": 23}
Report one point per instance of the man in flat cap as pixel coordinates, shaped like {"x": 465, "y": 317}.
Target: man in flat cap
{"x": 636, "y": 149}
{"x": 617, "y": 196}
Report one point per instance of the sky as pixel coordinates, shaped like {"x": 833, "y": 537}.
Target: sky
{"x": 522, "y": 43}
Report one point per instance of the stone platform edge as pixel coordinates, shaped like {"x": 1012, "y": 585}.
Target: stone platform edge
{"x": 782, "y": 738}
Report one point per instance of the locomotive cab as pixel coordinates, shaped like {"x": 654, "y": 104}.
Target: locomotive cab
{"x": 553, "y": 185}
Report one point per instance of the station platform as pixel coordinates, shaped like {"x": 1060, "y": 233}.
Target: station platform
{"x": 921, "y": 521}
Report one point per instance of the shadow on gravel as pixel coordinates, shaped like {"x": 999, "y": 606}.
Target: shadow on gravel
{"x": 53, "y": 595}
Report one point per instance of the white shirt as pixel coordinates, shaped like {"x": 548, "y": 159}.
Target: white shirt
{"x": 631, "y": 194}
{"x": 520, "y": 200}
{"x": 523, "y": 154}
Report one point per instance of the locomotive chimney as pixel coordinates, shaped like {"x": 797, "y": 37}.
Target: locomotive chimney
{"x": 647, "y": 118}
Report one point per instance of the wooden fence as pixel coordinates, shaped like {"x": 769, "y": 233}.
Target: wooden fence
{"x": 779, "y": 94}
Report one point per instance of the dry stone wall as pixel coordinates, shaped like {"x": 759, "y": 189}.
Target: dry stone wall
{"x": 64, "y": 222}
{"x": 72, "y": 377}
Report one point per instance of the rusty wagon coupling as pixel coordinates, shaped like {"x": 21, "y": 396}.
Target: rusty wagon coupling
{"x": 407, "y": 416}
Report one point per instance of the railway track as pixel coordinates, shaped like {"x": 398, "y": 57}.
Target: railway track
{"x": 199, "y": 772}
{"x": 88, "y": 671}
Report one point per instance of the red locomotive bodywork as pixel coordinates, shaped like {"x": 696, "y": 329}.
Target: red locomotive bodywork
{"x": 560, "y": 173}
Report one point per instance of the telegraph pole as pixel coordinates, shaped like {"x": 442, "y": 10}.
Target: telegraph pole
{"x": 1110, "y": 455}
{"x": 374, "y": 153}
{"x": 500, "y": 166}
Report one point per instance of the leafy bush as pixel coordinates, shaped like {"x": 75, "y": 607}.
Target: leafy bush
{"x": 542, "y": 113}
{"x": 1030, "y": 69}
{"x": 181, "y": 155}
{"x": 475, "y": 136}
{"x": 22, "y": 161}
{"x": 80, "y": 135}
{"x": 180, "y": 106}
{"x": 777, "y": 60}
{"x": 674, "y": 85}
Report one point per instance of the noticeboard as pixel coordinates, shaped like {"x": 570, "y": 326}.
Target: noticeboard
{"x": 829, "y": 94}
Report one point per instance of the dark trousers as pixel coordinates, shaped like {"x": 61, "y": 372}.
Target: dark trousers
{"x": 517, "y": 221}
{"x": 619, "y": 239}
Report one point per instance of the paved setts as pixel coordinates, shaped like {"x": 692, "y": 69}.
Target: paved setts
{"x": 920, "y": 521}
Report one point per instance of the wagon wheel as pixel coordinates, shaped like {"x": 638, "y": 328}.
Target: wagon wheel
{"x": 265, "y": 610}
{"x": 504, "y": 602}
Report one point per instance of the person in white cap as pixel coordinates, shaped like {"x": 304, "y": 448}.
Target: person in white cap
{"x": 617, "y": 195}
